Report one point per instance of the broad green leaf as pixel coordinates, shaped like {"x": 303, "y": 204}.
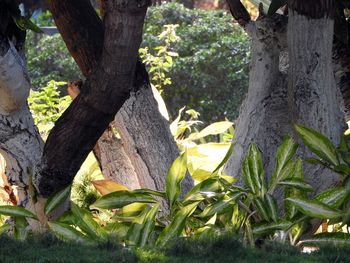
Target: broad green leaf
{"x": 328, "y": 239}
{"x": 56, "y": 200}
{"x": 224, "y": 161}
{"x": 210, "y": 185}
{"x": 343, "y": 149}
{"x": 314, "y": 208}
{"x": 150, "y": 192}
{"x": 212, "y": 129}
{"x": 221, "y": 205}
{"x": 201, "y": 175}
{"x": 67, "y": 233}
{"x": 272, "y": 207}
{"x": 20, "y": 230}
{"x": 256, "y": 167}
{"x": 175, "y": 124}
{"x": 117, "y": 229}
{"x": 262, "y": 208}
{"x": 275, "y": 5}
{"x": 148, "y": 225}
{"x": 86, "y": 222}
{"x": 131, "y": 210}
{"x": 25, "y": 23}
{"x": 318, "y": 144}
{"x": 134, "y": 232}
{"x": 174, "y": 178}
{"x": 247, "y": 178}
{"x": 177, "y": 225}
{"x": 285, "y": 153}
{"x": 120, "y": 199}
{"x": 333, "y": 197}
{"x": 4, "y": 228}
{"x": 297, "y": 183}
{"x": 9, "y": 210}
{"x": 270, "y": 228}
{"x": 105, "y": 187}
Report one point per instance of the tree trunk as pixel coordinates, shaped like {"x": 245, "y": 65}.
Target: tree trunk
{"x": 291, "y": 81}
{"x": 142, "y": 107}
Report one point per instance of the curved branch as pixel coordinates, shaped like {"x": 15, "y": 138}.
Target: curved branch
{"x": 239, "y": 12}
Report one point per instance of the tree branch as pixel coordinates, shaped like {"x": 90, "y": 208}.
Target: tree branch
{"x": 81, "y": 29}
{"x": 239, "y": 12}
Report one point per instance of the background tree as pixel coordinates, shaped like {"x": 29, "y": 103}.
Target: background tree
{"x": 291, "y": 81}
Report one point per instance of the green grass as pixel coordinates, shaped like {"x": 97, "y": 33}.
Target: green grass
{"x": 219, "y": 249}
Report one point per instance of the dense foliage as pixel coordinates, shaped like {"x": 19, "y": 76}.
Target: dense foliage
{"x": 210, "y": 73}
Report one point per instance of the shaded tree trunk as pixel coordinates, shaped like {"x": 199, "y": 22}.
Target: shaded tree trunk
{"x": 291, "y": 81}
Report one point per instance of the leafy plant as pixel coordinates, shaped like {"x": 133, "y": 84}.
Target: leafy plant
{"x": 47, "y": 105}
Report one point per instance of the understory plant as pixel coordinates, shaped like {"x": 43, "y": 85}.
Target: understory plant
{"x": 216, "y": 204}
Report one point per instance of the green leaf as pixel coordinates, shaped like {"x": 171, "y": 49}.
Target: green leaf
{"x": 227, "y": 156}
{"x": 175, "y": 228}
{"x": 221, "y": 205}
{"x": 314, "y": 208}
{"x": 297, "y": 183}
{"x": 174, "y": 178}
{"x": 148, "y": 225}
{"x": 25, "y": 23}
{"x": 150, "y": 192}
{"x": 56, "y": 200}
{"x": 328, "y": 239}
{"x": 120, "y": 199}
{"x": 10, "y": 210}
{"x": 275, "y": 5}
{"x": 272, "y": 207}
{"x": 131, "y": 210}
{"x": 343, "y": 149}
{"x": 67, "y": 233}
{"x": 4, "y": 228}
{"x": 318, "y": 144}
{"x": 86, "y": 222}
{"x": 285, "y": 153}
{"x": 209, "y": 185}
{"x": 212, "y": 129}
{"x": 21, "y": 230}
{"x": 334, "y": 197}
{"x": 261, "y": 207}
{"x": 253, "y": 172}
{"x": 270, "y": 228}
{"x": 134, "y": 232}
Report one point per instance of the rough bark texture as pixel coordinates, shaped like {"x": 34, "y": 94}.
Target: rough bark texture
{"x": 115, "y": 163}
{"x": 313, "y": 95}
{"x": 147, "y": 139}
{"x": 264, "y": 117}
{"x": 103, "y": 94}
{"x": 164, "y": 154}
{"x": 290, "y": 82}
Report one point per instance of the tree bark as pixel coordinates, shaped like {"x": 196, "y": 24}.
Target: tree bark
{"x": 142, "y": 107}
{"x": 291, "y": 81}
{"x": 103, "y": 94}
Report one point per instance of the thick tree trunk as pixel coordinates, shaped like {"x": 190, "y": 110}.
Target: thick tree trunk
{"x": 291, "y": 81}
{"x": 103, "y": 94}
{"x": 140, "y": 108}
{"x": 20, "y": 141}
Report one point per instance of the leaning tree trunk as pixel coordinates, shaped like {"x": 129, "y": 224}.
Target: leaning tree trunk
{"x": 291, "y": 81}
{"x": 20, "y": 143}
{"x": 145, "y": 134}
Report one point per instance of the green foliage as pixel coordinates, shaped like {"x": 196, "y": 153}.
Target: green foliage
{"x": 48, "y": 59}
{"x": 160, "y": 63}
{"x": 47, "y": 105}
{"x": 213, "y": 55}
{"x": 214, "y": 205}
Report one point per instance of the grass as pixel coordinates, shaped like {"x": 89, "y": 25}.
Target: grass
{"x": 218, "y": 249}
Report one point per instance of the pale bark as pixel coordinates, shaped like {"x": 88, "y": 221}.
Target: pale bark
{"x": 147, "y": 139}
{"x": 290, "y": 82}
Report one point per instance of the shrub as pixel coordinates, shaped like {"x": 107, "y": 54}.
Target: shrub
{"x": 211, "y": 72}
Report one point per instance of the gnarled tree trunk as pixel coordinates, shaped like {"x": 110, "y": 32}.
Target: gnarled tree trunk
{"x": 291, "y": 81}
